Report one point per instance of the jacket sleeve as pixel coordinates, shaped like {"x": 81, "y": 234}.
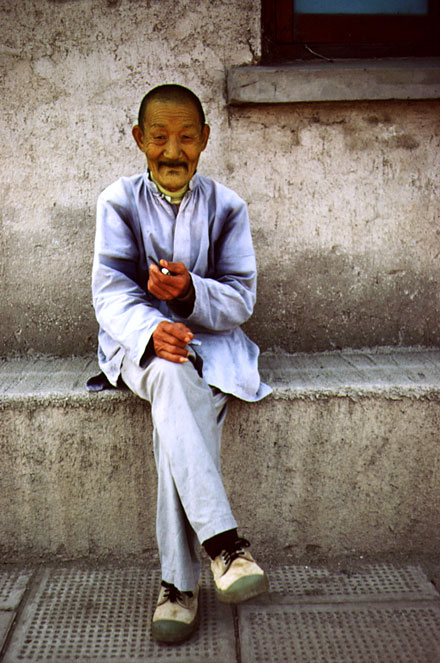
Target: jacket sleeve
{"x": 226, "y": 300}
{"x": 122, "y": 304}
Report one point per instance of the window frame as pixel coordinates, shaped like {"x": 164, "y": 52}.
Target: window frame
{"x": 287, "y": 37}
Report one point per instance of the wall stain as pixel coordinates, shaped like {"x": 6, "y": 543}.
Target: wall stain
{"x": 331, "y": 300}
{"x": 403, "y": 141}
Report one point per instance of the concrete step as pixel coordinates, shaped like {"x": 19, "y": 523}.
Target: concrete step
{"x": 343, "y": 457}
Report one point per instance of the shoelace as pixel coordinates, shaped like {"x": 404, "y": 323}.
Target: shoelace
{"x": 173, "y": 594}
{"x": 230, "y": 555}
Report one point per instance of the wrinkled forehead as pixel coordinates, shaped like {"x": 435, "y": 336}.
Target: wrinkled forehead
{"x": 165, "y": 113}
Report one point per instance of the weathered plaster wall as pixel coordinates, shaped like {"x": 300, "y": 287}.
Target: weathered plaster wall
{"x": 343, "y": 197}
{"x": 345, "y": 200}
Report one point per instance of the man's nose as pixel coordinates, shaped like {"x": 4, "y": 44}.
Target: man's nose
{"x": 172, "y": 148}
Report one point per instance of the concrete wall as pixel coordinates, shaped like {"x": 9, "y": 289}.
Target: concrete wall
{"x": 343, "y": 196}
{"x": 332, "y": 476}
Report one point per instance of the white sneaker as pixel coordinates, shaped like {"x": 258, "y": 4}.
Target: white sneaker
{"x": 237, "y": 576}
{"x": 177, "y": 614}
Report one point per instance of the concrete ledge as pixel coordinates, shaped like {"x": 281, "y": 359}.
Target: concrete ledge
{"x": 344, "y": 80}
{"x": 344, "y": 457}
{"x": 388, "y": 372}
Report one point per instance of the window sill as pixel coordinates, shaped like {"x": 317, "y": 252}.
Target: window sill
{"x": 343, "y": 80}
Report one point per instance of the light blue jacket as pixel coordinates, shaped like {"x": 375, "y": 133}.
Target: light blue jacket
{"x": 210, "y": 234}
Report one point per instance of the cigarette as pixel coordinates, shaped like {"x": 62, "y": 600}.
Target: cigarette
{"x": 164, "y": 270}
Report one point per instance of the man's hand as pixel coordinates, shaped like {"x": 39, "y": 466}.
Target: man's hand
{"x": 170, "y": 340}
{"x": 173, "y": 286}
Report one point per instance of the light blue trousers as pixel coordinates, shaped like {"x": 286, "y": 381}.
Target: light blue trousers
{"x": 192, "y": 505}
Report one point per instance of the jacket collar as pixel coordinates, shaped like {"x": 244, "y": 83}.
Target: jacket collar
{"x": 192, "y": 184}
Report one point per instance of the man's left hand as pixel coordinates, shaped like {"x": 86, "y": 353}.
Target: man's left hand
{"x": 169, "y": 286}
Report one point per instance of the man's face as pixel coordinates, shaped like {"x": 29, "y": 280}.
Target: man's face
{"x": 172, "y": 140}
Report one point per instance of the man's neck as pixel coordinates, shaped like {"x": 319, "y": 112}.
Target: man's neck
{"x": 174, "y": 197}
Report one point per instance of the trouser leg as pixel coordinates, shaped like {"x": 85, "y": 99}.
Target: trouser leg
{"x": 192, "y": 504}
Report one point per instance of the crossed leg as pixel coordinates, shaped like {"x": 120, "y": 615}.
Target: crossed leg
{"x": 192, "y": 506}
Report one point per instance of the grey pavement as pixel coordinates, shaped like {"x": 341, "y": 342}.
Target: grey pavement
{"x": 366, "y": 613}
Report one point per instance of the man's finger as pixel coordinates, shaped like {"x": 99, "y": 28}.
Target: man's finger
{"x": 168, "y": 348}
{"x": 167, "y": 287}
{"x": 170, "y": 341}
{"x": 180, "y": 331}
{"x": 161, "y": 291}
{"x": 176, "y": 359}
{"x": 173, "y": 330}
{"x": 174, "y": 267}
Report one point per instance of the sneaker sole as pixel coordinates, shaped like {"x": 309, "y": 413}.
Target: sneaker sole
{"x": 243, "y": 589}
{"x": 172, "y": 632}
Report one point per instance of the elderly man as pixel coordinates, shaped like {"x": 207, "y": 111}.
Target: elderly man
{"x": 173, "y": 279}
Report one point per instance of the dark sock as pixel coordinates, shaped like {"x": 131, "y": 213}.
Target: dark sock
{"x": 173, "y": 589}
{"x": 219, "y": 542}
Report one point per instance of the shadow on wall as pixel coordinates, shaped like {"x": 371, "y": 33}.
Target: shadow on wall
{"x": 323, "y": 301}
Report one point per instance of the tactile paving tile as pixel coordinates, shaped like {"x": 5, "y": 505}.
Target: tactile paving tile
{"x": 12, "y": 587}
{"x": 371, "y": 582}
{"x": 340, "y": 634}
{"x": 104, "y": 616}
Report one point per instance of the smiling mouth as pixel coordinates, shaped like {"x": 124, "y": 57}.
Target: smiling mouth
{"x": 173, "y": 165}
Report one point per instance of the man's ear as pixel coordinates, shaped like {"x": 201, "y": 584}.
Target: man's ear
{"x": 138, "y": 135}
{"x": 205, "y": 135}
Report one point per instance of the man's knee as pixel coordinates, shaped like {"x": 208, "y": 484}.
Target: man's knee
{"x": 161, "y": 377}
{"x": 167, "y": 374}
{"x": 169, "y": 370}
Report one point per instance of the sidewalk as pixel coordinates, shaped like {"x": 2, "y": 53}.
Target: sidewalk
{"x": 366, "y": 613}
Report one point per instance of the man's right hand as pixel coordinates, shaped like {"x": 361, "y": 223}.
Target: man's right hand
{"x": 170, "y": 340}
